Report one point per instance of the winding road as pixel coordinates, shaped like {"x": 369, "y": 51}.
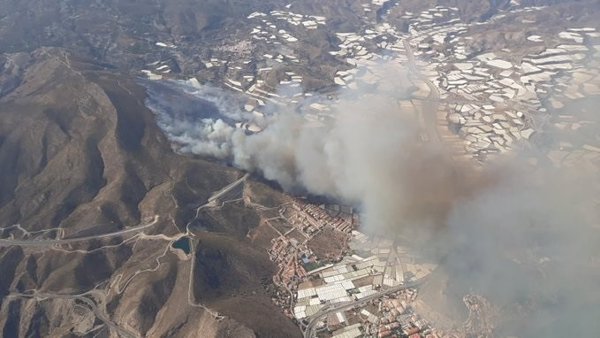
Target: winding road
{"x": 50, "y": 242}
{"x": 98, "y": 312}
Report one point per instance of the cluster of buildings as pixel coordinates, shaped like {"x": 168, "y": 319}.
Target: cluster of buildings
{"x": 294, "y": 19}
{"x": 372, "y": 5}
{"x": 378, "y": 42}
{"x": 349, "y": 280}
{"x": 486, "y": 129}
{"x": 297, "y": 224}
{"x": 513, "y": 94}
{"x": 476, "y": 91}
{"x": 273, "y": 79}
{"x": 160, "y": 68}
{"x": 401, "y": 265}
{"x": 384, "y": 269}
{"x": 284, "y": 252}
{"x": 573, "y": 123}
{"x": 310, "y": 284}
{"x": 255, "y": 78}
{"x": 267, "y": 79}
{"x": 310, "y": 218}
{"x": 492, "y": 100}
{"x": 481, "y": 316}
{"x": 391, "y": 315}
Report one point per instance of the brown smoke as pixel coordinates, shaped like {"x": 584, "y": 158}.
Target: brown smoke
{"x": 518, "y": 233}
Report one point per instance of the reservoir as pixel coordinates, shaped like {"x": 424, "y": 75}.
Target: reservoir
{"x": 183, "y": 244}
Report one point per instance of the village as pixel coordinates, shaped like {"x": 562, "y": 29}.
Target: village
{"x": 338, "y": 281}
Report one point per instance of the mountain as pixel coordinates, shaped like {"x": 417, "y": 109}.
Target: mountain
{"x": 81, "y": 156}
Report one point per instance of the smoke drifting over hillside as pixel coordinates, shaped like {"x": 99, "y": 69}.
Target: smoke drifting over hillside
{"x": 368, "y": 156}
{"x": 525, "y": 236}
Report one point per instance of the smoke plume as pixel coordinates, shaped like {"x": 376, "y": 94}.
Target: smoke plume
{"x": 523, "y": 233}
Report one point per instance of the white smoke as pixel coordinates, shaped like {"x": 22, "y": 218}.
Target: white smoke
{"x": 193, "y": 116}
{"x": 360, "y": 157}
{"x": 357, "y": 156}
{"x": 515, "y": 234}
{"x": 206, "y": 137}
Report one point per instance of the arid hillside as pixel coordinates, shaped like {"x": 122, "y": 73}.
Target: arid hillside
{"x": 94, "y": 196}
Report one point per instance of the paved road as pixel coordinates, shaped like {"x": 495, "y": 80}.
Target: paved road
{"x": 429, "y": 115}
{"x": 227, "y": 189}
{"x": 431, "y": 105}
{"x": 50, "y": 242}
{"x": 309, "y": 332}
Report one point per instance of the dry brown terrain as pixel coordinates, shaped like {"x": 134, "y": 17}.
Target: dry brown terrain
{"x": 80, "y": 152}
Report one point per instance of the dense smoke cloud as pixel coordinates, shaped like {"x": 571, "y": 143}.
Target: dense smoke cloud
{"x": 530, "y": 243}
{"x": 362, "y": 156}
{"x": 524, "y": 235}
{"x": 369, "y": 156}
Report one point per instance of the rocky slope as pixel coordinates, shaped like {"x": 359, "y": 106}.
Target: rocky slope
{"x": 81, "y": 156}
